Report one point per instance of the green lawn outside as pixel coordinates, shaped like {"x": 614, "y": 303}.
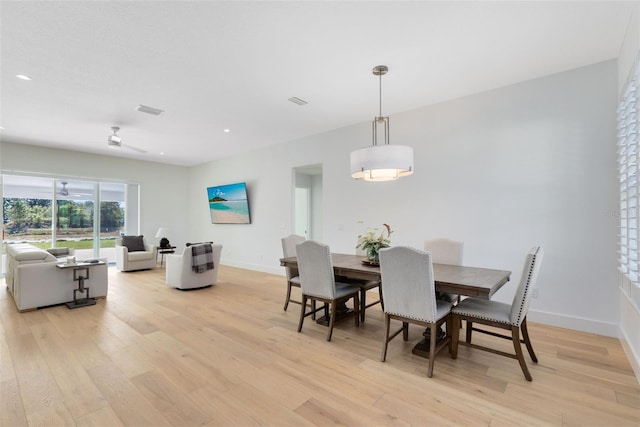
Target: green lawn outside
{"x": 75, "y": 244}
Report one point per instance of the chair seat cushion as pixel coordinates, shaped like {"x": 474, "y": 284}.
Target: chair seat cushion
{"x": 140, "y": 256}
{"x": 443, "y": 308}
{"x": 133, "y": 243}
{"x": 344, "y": 289}
{"x": 447, "y": 297}
{"x": 295, "y": 280}
{"x": 484, "y": 309}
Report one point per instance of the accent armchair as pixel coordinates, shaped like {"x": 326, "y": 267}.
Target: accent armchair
{"x": 132, "y": 253}
{"x": 180, "y": 272}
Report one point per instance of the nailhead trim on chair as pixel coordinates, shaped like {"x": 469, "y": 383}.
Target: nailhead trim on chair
{"x": 526, "y": 288}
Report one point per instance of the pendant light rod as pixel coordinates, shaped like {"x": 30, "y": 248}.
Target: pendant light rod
{"x": 380, "y": 71}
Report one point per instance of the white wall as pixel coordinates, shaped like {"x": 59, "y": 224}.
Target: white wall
{"x": 629, "y": 298}
{"x": 163, "y": 199}
{"x": 528, "y": 164}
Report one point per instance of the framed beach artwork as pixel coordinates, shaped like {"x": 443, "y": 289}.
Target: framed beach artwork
{"x": 228, "y": 204}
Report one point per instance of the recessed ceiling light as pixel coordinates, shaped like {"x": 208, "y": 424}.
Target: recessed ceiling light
{"x": 23, "y": 77}
{"x": 162, "y": 153}
{"x": 227, "y": 131}
{"x": 1, "y": 128}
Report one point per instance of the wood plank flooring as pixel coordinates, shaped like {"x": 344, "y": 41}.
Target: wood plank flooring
{"x": 228, "y": 355}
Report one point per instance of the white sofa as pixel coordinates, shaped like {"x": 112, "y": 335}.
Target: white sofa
{"x": 137, "y": 260}
{"x": 180, "y": 275}
{"x": 34, "y": 280}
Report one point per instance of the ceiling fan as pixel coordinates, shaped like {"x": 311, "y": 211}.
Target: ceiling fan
{"x": 63, "y": 191}
{"x": 115, "y": 141}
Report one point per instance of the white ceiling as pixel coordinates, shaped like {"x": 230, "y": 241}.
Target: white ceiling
{"x": 213, "y": 65}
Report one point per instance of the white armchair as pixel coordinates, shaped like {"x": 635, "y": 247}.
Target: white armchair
{"x": 180, "y": 272}
{"x": 132, "y": 253}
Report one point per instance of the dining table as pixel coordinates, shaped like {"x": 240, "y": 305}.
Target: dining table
{"x": 455, "y": 279}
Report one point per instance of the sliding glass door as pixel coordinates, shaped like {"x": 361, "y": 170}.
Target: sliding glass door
{"x": 56, "y": 212}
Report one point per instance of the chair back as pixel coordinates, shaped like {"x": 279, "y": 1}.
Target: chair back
{"x": 445, "y": 251}
{"x": 289, "y": 244}
{"x": 316, "y": 269}
{"x": 521, "y": 299}
{"x": 408, "y": 288}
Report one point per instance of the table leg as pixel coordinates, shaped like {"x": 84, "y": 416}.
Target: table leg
{"x": 422, "y": 348}
{"x": 342, "y": 311}
{"x": 82, "y": 302}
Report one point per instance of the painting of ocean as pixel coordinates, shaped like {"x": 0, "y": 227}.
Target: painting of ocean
{"x": 228, "y": 204}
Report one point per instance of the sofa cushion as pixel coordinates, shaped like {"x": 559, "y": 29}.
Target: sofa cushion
{"x": 59, "y": 252}
{"x": 133, "y": 243}
{"x": 34, "y": 255}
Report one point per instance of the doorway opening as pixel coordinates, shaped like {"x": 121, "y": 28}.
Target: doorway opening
{"x": 307, "y": 201}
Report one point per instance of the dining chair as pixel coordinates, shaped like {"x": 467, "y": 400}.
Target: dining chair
{"x": 318, "y": 283}
{"x": 500, "y": 315}
{"x": 293, "y": 279}
{"x": 445, "y": 251}
{"x": 409, "y": 294}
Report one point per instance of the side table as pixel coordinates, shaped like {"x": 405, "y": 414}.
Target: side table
{"x": 80, "y": 274}
{"x": 162, "y": 251}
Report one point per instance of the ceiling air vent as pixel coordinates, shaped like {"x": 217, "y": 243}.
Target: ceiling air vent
{"x": 149, "y": 110}
{"x": 298, "y": 101}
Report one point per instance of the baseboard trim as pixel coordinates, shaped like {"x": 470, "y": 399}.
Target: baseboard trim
{"x": 278, "y": 271}
{"x": 634, "y": 359}
{"x": 576, "y": 323}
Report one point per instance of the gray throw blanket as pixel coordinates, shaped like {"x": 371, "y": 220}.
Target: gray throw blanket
{"x": 201, "y": 258}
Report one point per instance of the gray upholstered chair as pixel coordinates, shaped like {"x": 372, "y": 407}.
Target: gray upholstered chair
{"x": 445, "y": 251}
{"x": 133, "y": 253}
{"x": 512, "y": 317}
{"x": 293, "y": 279}
{"x": 318, "y": 283}
{"x": 409, "y": 294}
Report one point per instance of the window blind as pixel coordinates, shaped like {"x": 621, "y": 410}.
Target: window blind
{"x": 627, "y": 125}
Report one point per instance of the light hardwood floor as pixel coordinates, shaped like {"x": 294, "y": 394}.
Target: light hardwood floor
{"x": 229, "y": 355}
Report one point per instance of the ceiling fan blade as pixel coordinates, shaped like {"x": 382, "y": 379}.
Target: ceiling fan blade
{"x": 139, "y": 150}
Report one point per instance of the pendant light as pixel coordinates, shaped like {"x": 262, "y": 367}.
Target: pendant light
{"x": 384, "y": 162}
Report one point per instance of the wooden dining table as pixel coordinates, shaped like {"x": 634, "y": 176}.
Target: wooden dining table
{"x": 454, "y": 279}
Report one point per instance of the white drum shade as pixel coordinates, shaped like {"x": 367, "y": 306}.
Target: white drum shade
{"x": 382, "y": 162}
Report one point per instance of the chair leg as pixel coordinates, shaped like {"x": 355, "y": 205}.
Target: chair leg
{"x": 332, "y": 320}
{"x": 381, "y": 299}
{"x": 313, "y": 307}
{"x": 455, "y": 335}
{"x": 363, "y": 303}
{"x": 356, "y": 307}
{"x": 432, "y": 348}
{"x": 527, "y": 341}
{"x": 405, "y": 331}
{"x": 385, "y": 342}
{"x": 449, "y": 328}
{"x": 286, "y": 301}
{"x": 469, "y": 330}
{"x": 303, "y": 306}
{"x": 515, "y": 334}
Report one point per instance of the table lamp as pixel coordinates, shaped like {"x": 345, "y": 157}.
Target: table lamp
{"x": 162, "y": 232}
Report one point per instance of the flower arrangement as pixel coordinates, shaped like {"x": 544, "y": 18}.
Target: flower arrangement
{"x": 373, "y": 240}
